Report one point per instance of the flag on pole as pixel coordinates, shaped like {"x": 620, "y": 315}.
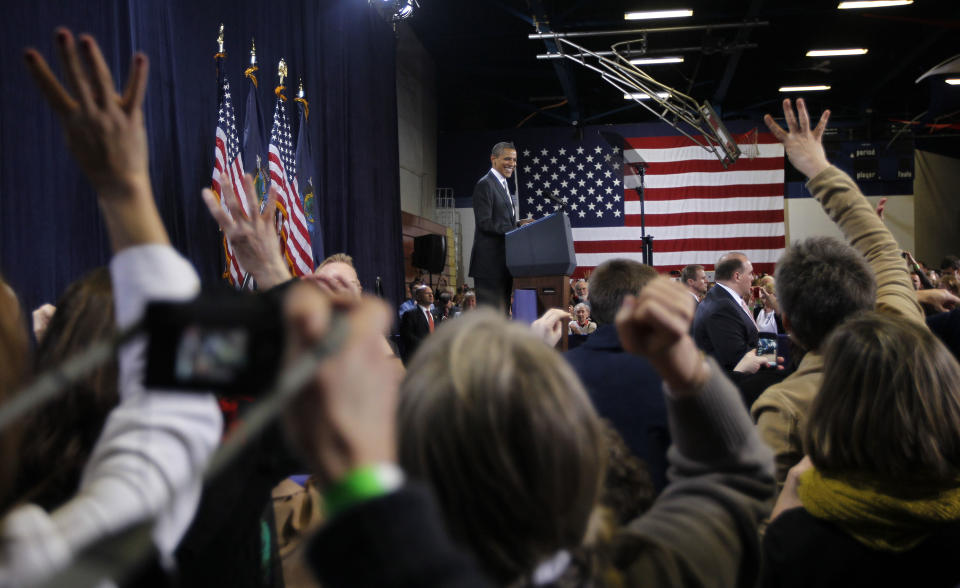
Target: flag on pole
{"x": 292, "y": 223}
{"x": 305, "y": 178}
{"x": 254, "y": 145}
{"x": 695, "y": 210}
{"x": 228, "y": 161}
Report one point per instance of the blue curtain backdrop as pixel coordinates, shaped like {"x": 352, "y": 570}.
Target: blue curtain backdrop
{"x": 50, "y": 229}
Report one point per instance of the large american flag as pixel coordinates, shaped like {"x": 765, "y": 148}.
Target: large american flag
{"x": 695, "y": 209}
{"x": 292, "y": 223}
{"x": 228, "y": 161}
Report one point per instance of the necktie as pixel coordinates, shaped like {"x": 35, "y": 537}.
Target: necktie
{"x": 430, "y": 319}
{"x": 506, "y": 188}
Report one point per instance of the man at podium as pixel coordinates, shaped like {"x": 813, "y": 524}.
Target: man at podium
{"x": 495, "y": 213}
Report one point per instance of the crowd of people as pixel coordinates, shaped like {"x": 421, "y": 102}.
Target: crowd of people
{"x": 668, "y": 449}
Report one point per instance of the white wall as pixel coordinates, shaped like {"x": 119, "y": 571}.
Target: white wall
{"x": 805, "y": 218}
{"x": 417, "y": 124}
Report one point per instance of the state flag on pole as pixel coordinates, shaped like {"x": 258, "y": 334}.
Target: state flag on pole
{"x": 228, "y": 161}
{"x": 305, "y": 179}
{"x": 254, "y": 144}
{"x": 292, "y": 223}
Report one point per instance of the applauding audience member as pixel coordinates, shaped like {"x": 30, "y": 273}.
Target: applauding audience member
{"x": 417, "y": 324}
{"x": 583, "y": 325}
{"x": 695, "y": 280}
{"x": 625, "y": 389}
{"x": 880, "y": 505}
{"x": 724, "y": 326}
{"x": 822, "y": 281}
{"x": 147, "y": 462}
{"x": 502, "y": 431}
{"x": 64, "y": 431}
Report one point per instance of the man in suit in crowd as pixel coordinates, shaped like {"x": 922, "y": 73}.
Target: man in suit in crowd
{"x": 724, "y": 326}
{"x": 495, "y": 213}
{"x": 624, "y": 388}
{"x": 695, "y": 280}
{"x": 416, "y": 324}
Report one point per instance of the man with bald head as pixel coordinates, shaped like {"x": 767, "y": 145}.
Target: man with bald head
{"x": 724, "y": 327}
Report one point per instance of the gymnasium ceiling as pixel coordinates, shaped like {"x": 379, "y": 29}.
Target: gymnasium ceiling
{"x": 489, "y": 77}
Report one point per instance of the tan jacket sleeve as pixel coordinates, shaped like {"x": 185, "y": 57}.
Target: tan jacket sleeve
{"x": 849, "y": 209}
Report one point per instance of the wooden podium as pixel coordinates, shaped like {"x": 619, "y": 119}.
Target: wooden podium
{"x": 540, "y": 257}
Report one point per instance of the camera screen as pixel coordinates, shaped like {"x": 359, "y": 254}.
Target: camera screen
{"x": 211, "y": 354}
{"x": 767, "y": 347}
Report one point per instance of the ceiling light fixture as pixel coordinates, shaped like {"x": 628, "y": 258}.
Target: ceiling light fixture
{"x": 655, "y": 60}
{"x": 652, "y": 14}
{"x": 835, "y": 52}
{"x": 872, "y": 4}
{"x": 953, "y": 81}
{"x": 644, "y": 96}
{"x": 804, "y": 88}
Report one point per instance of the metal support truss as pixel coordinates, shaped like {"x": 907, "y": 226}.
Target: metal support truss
{"x": 668, "y": 104}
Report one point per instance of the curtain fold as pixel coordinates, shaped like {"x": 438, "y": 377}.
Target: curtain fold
{"x": 50, "y": 230}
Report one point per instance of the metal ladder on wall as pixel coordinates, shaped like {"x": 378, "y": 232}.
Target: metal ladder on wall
{"x": 445, "y": 213}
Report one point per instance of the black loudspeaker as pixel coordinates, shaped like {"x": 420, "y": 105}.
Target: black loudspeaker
{"x": 429, "y": 253}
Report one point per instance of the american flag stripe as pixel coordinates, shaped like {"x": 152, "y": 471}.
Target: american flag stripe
{"x": 733, "y": 191}
{"x": 677, "y": 260}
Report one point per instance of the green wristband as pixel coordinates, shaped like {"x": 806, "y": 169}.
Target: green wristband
{"x": 361, "y": 484}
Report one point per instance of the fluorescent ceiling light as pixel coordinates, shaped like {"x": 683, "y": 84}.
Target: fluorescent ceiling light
{"x": 651, "y": 14}
{"x": 643, "y": 96}
{"x": 803, "y": 88}
{"x": 655, "y": 60}
{"x": 953, "y": 81}
{"x": 835, "y": 52}
{"x": 872, "y": 4}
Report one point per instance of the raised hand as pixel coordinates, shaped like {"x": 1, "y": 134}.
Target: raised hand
{"x": 254, "y": 238}
{"x": 105, "y": 133}
{"x": 347, "y": 417}
{"x": 549, "y": 327}
{"x": 103, "y": 129}
{"x": 803, "y": 145}
{"x": 656, "y": 324}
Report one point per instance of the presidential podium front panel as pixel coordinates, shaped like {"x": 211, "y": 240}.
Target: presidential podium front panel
{"x": 540, "y": 257}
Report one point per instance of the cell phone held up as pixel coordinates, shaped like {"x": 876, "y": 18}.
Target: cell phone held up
{"x": 767, "y": 348}
{"x": 228, "y": 343}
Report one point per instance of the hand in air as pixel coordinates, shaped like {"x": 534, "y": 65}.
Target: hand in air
{"x": 803, "y": 145}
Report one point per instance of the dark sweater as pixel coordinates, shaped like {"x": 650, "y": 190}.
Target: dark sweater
{"x": 802, "y": 550}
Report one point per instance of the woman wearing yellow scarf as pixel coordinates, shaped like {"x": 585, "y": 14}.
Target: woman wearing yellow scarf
{"x": 880, "y": 489}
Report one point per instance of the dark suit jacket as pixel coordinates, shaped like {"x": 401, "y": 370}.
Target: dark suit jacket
{"x": 414, "y": 328}
{"x": 493, "y": 217}
{"x": 722, "y": 329}
{"x": 628, "y": 392}
{"x": 396, "y": 540}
